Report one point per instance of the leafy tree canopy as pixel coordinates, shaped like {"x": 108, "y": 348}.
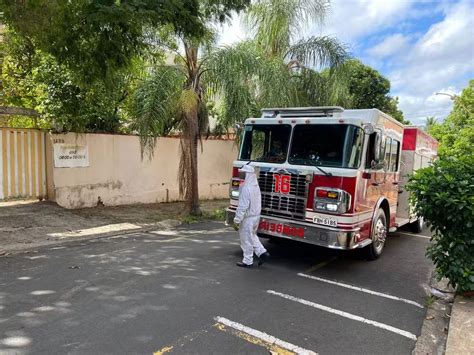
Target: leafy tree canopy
{"x": 34, "y": 80}
{"x": 95, "y": 37}
{"x": 76, "y": 62}
{"x": 369, "y": 89}
{"x": 444, "y": 194}
{"x": 456, "y": 133}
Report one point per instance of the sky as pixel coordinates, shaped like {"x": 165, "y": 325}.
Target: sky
{"x": 423, "y": 47}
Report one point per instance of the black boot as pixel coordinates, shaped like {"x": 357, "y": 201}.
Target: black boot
{"x": 241, "y": 264}
{"x": 263, "y": 258}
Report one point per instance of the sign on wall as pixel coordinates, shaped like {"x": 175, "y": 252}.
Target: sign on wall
{"x": 70, "y": 156}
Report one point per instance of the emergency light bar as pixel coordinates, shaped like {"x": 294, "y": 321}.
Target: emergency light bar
{"x": 300, "y": 111}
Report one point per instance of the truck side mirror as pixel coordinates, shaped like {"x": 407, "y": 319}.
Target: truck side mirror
{"x": 368, "y": 128}
{"x": 378, "y": 160}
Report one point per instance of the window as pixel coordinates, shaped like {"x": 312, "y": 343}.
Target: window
{"x": 265, "y": 143}
{"x": 387, "y": 152}
{"x": 395, "y": 155}
{"x": 328, "y": 145}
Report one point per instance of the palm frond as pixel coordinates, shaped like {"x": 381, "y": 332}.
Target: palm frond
{"x": 327, "y": 88}
{"x": 154, "y": 106}
{"x": 276, "y": 85}
{"x": 231, "y": 75}
{"x": 276, "y": 23}
{"x": 319, "y": 52}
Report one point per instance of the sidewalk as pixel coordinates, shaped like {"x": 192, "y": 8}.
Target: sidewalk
{"x": 461, "y": 327}
{"x": 30, "y": 224}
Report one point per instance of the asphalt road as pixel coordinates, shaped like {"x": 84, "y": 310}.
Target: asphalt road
{"x": 180, "y": 292}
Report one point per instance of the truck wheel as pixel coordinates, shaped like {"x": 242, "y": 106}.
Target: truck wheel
{"x": 379, "y": 234}
{"x": 417, "y": 226}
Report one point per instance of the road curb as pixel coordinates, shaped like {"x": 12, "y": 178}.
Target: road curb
{"x": 461, "y": 327}
{"x": 163, "y": 225}
{"x": 434, "y": 332}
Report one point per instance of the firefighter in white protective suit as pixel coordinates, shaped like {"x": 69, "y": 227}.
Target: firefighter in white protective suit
{"x": 247, "y": 218}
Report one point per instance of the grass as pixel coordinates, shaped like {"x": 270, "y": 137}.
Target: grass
{"x": 214, "y": 215}
{"x": 430, "y": 300}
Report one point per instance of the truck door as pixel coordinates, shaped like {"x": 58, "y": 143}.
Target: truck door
{"x": 390, "y": 182}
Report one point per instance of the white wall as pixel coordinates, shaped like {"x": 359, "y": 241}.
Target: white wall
{"x": 117, "y": 174}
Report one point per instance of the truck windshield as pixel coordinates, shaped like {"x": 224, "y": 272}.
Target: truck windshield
{"x": 265, "y": 143}
{"x": 331, "y": 145}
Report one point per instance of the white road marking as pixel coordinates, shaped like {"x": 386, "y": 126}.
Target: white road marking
{"x": 345, "y": 314}
{"x": 264, "y": 336}
{"x": 375, "y": 293}
{"x": 412, "y": 235}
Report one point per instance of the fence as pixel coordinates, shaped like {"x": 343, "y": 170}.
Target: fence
{"x": 22, "y": 163}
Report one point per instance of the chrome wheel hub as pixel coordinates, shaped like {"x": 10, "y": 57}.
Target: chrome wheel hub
{"x": 380, "y": 234}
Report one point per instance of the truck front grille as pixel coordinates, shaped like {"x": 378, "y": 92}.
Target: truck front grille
{"x": 291, "y": 205}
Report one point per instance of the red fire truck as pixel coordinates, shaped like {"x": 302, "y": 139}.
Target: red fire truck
{"x": 332, "y": 177}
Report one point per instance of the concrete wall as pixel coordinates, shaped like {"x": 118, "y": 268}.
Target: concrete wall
{"x": 117, "y": 175}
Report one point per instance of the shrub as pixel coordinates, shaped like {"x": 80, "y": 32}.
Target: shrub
{"x": 444, "y": 195}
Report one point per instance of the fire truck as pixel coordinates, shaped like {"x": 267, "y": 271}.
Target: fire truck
{"x": 332, "y": 177}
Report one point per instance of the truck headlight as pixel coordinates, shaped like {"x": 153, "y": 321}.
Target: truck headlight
{"x": 331, "y": 200}
{"x": 234, "y": 188}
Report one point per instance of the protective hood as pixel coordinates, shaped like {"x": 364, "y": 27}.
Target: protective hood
{"x": 250, "y": 176}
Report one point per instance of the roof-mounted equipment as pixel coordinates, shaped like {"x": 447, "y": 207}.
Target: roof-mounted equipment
{"x": 321, "y": 111}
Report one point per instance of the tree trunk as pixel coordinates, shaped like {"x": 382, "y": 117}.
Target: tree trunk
{"x": 191, "y": 137}
{"x": 195, "y": 208}
{"x": 188, "y": 164}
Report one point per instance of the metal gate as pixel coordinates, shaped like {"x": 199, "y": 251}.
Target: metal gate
{"x": 22, "y": 163}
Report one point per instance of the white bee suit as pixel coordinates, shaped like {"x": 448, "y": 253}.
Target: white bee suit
{"x": 248, "y": 215}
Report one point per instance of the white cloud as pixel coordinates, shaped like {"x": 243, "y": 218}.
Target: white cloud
{"x": 440, "y": 61}
{"x": 393, "y": 44}
{"x": 350, "y": 20}
{"x": 417, "y": 108}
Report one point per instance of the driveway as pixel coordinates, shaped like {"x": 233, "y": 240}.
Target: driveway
{"x": 179, "y": 291}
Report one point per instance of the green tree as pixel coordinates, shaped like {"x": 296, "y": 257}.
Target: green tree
{"x": 95, "y": 38}
{"x": 74, "y": 61}
{"x": 456, "y": 133}
{"x": 444, "y": 194}
{"x": 173, "y": 97}
{"x": 369, "y": 89}
{"x": 20, "y": 93}
{"x": 34, "y": 80}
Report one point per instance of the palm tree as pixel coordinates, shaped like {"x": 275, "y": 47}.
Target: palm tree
{"x": 430, "y": 123}
{"x": 269, "y": 70}
{"x": 171, "y": 99}
{"x": 277, "y": 67}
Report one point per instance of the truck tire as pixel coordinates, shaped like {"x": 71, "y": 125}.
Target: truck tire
{"x": 378, "y": 235}
{"x": 417, "y": 226}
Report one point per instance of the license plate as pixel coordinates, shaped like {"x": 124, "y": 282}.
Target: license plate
{"x": 325, "y": 221}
